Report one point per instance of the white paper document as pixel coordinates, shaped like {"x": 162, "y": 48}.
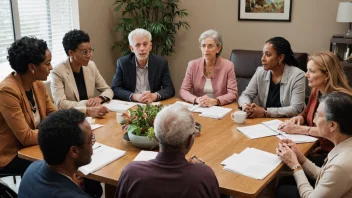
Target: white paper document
{"x": 297, "y": 138}
{"x": 252, "y": 162}
{"x": 191, "y": 107}
{"x": 145, "y": 156}
{"x": 256, "y": 131}
{"x": 119, "y": 106}
{"x": 102, "y": 156}
{"x": 215, "y": 112}
{"x": 91, "y": 121}
{"x": 270, "y": 128}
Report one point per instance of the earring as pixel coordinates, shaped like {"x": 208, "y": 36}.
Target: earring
{"x": 279, "y": 63}
{"x": 32, "y": 71}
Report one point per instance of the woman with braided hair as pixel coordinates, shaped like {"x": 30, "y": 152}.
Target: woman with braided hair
{"x": 278, "y": 84}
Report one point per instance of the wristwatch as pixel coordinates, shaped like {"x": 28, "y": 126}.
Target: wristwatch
{"x": 265, "y": 113}
{"x": 104, "y": 98}
{"x": 296, "y": 168}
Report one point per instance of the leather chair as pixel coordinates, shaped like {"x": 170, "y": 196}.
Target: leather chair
{"x": 247, "y": 61}
{"x": 6, "y": 192}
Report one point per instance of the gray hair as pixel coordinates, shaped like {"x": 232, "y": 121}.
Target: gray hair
{"x": 139, "y": 32}
{"x": 338, "y": 108}
{"x": 173, "y": 125}
{"x": 214, "y": 35}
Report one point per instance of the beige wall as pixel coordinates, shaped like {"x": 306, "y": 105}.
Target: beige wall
{"x": 312, "y": 24}
{"x": 98, "y": 20}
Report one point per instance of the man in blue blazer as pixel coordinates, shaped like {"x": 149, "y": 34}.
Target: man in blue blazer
{"x": 141, "y": 76}
{"x": 65, "y": 139}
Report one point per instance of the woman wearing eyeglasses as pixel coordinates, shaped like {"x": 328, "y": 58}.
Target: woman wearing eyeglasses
{"x": 210, "y": 80}
{"x": 75, "y": 80}
{"x": 325, "y": 74}
{"x": 334, "y": 178}
{"x": 24, "y": 101}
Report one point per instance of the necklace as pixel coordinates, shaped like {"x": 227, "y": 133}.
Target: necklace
{"x": 209, "y": 73}
{"x": 31, "y": 101}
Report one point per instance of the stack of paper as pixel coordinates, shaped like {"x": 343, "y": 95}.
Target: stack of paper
{"x": 210, "y": 112}
{"x": 252, "y": 162}
{"x": 92, "y": 123}
{"x": 270, "y": 128}
{"x": 102, "y": 156}
{"x": 191, "y": 107}
{"x": 119, "y": 106}
{"x": 214, "y": 112}
{"x": 145, "y": 156}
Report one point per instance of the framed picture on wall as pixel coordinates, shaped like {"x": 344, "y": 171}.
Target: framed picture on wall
{"x": 264, "y": 10}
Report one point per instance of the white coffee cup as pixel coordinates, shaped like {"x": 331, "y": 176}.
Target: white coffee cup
{"x": 239, "y": 117}
{"x": 119, "y": 118}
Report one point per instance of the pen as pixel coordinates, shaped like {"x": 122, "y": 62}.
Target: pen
{"x": 97, "y": 147}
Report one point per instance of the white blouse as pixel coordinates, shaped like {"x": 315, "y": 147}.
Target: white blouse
{"x": 208, "y": 88}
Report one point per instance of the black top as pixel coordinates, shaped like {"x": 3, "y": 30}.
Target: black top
{"x": 81, "y": 85}
{"x": 30, "y": 97}
{"x": 274, "y": 95}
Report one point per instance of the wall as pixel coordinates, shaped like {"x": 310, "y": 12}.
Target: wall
{"x": 312, "y": 24}
{"x": 98, "y": 20}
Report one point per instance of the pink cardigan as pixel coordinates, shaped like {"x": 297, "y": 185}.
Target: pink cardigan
{"x": 223, "y": 81}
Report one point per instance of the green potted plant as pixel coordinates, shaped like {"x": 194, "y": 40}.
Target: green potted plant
{"x": 139, "y": 123}
{"x": 159, "y": 17}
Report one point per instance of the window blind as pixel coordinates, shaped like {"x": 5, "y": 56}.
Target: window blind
{"x": 45, "y": 19}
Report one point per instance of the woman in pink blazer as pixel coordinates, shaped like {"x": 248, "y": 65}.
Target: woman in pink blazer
{"x": 210, "y": 80}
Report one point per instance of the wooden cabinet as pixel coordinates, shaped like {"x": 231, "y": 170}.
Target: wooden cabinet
{"x": 342, "y": 48}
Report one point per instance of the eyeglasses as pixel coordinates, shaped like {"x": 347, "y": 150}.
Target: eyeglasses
{"x": 85, "y": 52}
{"x": 210, "y": 46}
{"x": 93, "y": 140}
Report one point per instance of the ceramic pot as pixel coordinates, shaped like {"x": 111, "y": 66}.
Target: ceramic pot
{"x": 142, "y": 142}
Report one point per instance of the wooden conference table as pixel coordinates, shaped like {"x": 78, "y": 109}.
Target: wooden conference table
{"x": 219, "y": 139}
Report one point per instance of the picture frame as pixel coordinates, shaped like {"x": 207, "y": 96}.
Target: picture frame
{"x": 265, "y": 10}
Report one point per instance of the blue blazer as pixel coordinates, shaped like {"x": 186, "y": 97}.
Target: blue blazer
{"x": 124, "y": 81}
{"x": 40, "y": 181}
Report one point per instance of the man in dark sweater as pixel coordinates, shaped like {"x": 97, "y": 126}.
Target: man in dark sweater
{"x": 170, "y": 174}
{"x": 65, "y": 139}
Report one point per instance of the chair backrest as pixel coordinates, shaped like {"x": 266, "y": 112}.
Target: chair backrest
{"x": 6, "y": 192}
{"x": 48, "y": 89}
{"x": 247, "y": 61}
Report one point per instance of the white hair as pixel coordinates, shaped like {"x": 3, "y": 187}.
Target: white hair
{"x": 214, "y": 35}
{"x": 173, "y": 125}
{"x": 139, "y": 32}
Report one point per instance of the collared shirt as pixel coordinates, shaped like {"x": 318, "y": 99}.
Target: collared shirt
{"x": 142, "y": 82}
{"x": 168, "y": 175}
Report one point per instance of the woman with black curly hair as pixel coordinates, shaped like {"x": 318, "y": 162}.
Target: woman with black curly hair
{"x": 24, "y": 101}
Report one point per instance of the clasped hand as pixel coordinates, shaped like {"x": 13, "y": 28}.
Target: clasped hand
{"x": 206, "y": 101}
{"x": 289, "y": 153}
{"x": 145, "y": 97}
{"x": 253, "y": 110}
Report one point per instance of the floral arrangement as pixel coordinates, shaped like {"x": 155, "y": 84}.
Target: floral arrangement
{"x": 140, "y": 121}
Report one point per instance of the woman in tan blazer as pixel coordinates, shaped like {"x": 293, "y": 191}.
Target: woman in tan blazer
{"x": 75, "y": 80}
{"x": 24, "y": 101}
{"x": 334, "y": 179}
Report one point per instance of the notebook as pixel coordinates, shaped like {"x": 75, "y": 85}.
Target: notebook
{"x": 119, "y": 106}
{"x": 270, "y": 128}
{"x": 210, "y": 112}
{"x": 252, "y": 162}
{"x": 102, "y": 156}
{"x": 145, "y": 156}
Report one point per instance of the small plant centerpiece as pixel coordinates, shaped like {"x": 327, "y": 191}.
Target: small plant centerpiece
{"x": 140, "y": 125}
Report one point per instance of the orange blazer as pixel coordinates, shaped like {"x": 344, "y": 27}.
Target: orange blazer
{"x": 16, "y": 117}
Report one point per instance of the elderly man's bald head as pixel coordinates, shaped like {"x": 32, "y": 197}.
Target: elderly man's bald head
{"x": 173, "y": 125}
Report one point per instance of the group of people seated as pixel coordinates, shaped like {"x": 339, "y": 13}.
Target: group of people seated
{"x": 28, "y": 116}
